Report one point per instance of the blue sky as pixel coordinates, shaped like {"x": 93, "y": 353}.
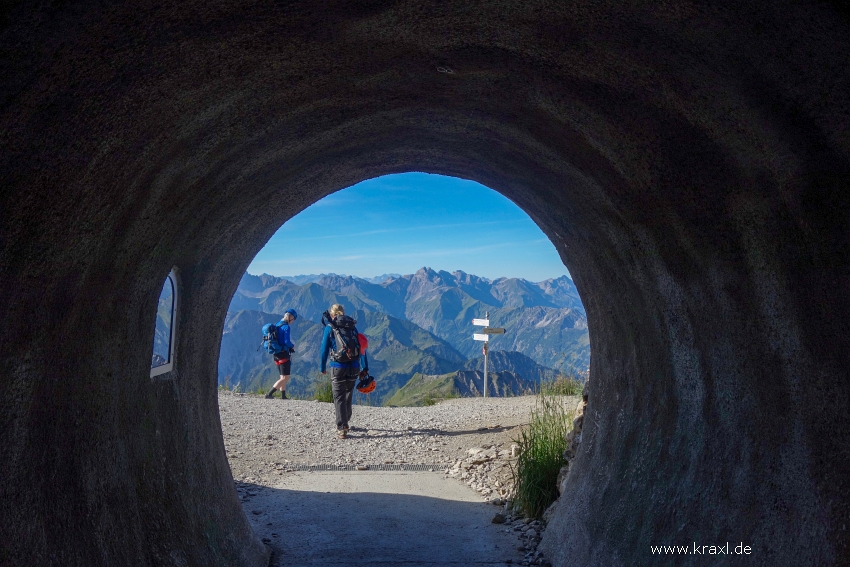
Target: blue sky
{"x": 399, "y": 223}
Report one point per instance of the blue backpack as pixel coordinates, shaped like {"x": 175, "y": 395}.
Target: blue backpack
{"x": 270, "y": 344}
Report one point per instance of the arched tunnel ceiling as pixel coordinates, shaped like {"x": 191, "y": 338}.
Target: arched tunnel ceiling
{"x": 689, "y": 163}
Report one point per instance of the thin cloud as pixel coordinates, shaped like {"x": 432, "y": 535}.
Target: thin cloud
{"x": 400, "y": 229}
{"x": 454, "y": 251}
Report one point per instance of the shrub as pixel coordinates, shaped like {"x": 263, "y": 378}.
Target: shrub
{"x": 541, "y": 449}
{"x": 452, "y": 395}
{"x": 562, "y": 386}
{"x": 430, "y": 399}
{"x": 324, "y": 392}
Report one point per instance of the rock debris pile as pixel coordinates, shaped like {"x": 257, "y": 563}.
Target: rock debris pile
{"x": 529, "y": 532}
{"x": 487, "y": 471}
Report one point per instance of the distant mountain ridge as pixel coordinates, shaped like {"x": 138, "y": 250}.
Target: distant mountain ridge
{"x": 546, "y": 320}
{"x": 420, "y": 322}
{"x": 501, "y": 292}
{"x": 314, "y": 278}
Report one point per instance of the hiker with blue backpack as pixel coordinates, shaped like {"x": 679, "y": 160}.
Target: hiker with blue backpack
{"x": 341, "y": 344}
{"x": 277, "y": 342}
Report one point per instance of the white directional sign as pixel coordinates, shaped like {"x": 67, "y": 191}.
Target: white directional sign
{"x": 481, "y": 322}
{"x": 477, "y": 337}
{"x": 493, "y": 331}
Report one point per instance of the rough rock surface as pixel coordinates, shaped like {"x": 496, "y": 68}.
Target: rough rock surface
{"x": 689, "y": 161}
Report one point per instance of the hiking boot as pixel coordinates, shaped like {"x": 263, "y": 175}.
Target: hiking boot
{"x": 283, "y": 395}
{"x": 341, "y": 433}
{"x": 271, "y": 393}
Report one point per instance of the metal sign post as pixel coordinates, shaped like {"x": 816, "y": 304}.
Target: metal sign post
{"x": 484, "y": 336}
{"x": 485, "y": 368}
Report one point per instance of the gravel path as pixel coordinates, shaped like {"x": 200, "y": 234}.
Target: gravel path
{"x": 468, "y": 439}
{"x": 262, "y": 436}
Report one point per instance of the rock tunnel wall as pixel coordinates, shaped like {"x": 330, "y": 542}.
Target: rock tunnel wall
{"x": 689, "y": 163}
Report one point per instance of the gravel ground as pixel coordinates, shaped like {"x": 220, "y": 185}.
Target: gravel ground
{"x": 468, "y": 439}
{"x": 263, "y": 436}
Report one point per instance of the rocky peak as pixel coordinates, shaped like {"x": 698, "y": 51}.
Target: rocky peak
{"x": 336, "y": 282}
{"x": 425, "y": 281}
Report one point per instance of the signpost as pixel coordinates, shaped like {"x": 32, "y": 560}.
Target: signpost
{"x": 493, "y": 331}
{"x": 484, "y": 336}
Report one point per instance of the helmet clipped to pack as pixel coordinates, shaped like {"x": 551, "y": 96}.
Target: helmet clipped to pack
{"x": 366, "y": 385}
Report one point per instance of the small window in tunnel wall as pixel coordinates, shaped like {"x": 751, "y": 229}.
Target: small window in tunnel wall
{"x": 162, "y": 360}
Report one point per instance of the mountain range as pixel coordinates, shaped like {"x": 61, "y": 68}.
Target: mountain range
{"x": 416, "y": 323}
{"x": 313, "y": 278}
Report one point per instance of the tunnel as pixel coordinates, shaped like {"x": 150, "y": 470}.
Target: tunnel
{"x": 689, "y": 161}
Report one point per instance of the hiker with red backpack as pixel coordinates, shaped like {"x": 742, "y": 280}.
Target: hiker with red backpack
{"x": 277, "y": 342}
{"x": 342, "y": 345}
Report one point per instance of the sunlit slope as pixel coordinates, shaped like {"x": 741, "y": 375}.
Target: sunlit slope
{"x": 422, "y": 388}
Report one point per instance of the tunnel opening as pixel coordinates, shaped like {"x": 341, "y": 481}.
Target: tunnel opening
{"x": 418, "y": 320}
{"x": 395, "y": 227}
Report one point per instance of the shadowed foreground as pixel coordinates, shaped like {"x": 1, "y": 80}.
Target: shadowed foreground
{"x": 366, "y": 519}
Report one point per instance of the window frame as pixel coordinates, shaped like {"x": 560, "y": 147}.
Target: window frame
{"x": 175, "y": 305}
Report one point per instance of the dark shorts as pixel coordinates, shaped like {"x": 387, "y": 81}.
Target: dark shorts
{"x": 284, "y": 365}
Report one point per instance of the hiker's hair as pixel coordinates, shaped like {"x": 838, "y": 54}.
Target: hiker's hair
{"x": 336, "y": 310}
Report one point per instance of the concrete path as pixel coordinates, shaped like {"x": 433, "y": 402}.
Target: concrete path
{"x": 369, "y": 519}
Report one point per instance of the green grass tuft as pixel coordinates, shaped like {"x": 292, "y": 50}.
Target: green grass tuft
{"x": 541, "y": 456}
{"x": 453, "y": 394}
{"x": 431, "y": 398}
{"x": 324, "y": 392}
{"x": 562, "y": 386}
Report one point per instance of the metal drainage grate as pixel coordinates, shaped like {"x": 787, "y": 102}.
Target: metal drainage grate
{"x": 400, "y": 467}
